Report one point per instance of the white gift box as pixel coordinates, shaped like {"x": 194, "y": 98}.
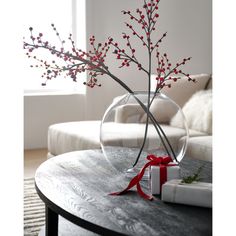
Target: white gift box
{"x": 173, "y": 172}
{"x": 196, "y": 193}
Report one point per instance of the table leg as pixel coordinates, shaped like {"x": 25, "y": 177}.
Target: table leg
{"x": 51, "y": 223}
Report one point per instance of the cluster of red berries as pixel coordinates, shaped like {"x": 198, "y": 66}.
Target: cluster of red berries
{"x": 167, "y": 74}
{"x": 92, "y": 82}
{"x": 78, "y": 61}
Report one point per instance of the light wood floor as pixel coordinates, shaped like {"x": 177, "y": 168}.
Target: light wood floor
{"x": 32, "y": 160}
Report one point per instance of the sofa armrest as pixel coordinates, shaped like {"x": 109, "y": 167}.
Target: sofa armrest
{"x": 128, "y": 113}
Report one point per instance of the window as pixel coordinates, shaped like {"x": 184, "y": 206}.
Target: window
{"x": 68, "y": 17}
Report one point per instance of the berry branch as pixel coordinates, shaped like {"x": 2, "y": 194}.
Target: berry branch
{"x": 126, "y": 59}
{"x": 75, "y": 61}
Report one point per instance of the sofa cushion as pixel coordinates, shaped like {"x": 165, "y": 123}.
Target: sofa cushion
{"x": 128, "y": 113}
{"x": 162, "y": 110}
{"x": 198, "y": 112}
{"x": 73, "y": 136}
{"x": 180, "y": 92}
{"x": 195, "y": 133}
{"x": 82, "y": 135}
{"x": 131, "y": 135}
{"x": 183, "y": 89}
{"x": 199, "y": 148}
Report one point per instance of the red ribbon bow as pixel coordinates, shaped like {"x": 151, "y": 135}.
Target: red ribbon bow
{"x": 162, "y": 162}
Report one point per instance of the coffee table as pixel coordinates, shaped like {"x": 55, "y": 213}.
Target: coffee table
{"x": 76, "y": 187}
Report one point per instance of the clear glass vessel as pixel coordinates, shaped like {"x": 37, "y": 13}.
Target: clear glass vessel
{"x": 125, "y": 123}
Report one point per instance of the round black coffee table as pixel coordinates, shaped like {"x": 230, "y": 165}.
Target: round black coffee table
{"x": 76, "y": 187}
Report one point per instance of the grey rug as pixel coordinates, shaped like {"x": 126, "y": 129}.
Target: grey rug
{"x": 34, "y": 215}
{"x": 34, "y": 209}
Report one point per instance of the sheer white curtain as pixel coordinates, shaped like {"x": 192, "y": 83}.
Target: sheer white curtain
{"x": 69, "y": 17}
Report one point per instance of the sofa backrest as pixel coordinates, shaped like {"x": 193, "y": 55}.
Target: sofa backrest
{"x": 209, "y": 83}
{"x": 182, "y": 89}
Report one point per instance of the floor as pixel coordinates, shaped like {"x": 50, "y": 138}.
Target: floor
{"x": 32, "y": 160}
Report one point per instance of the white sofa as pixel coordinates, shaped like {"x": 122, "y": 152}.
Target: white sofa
{"x": 82, "y": 135}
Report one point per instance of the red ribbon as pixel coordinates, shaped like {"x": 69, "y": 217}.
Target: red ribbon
{"x": 162, "y": 162}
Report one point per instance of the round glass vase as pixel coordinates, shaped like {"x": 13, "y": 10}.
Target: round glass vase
{"x": 130, "y": 131}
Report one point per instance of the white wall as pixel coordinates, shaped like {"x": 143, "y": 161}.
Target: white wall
{"x": 188, "y": 24}
{"x": 42, "y": 111}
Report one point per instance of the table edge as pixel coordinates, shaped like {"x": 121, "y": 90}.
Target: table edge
{"x": 75, "y": 219}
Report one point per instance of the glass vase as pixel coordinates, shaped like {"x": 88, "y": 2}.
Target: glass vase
{"x": 129, "y": 133}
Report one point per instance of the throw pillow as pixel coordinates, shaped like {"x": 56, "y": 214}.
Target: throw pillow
{"x": 198, "y": 112}
{"x": 182, "y": 90}
{"x": 162, "y": 111}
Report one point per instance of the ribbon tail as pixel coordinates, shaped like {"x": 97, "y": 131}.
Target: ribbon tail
{"x": 143, "y": 194}
{"x": 153, "y": 160}
{"x": 133, "y": 182}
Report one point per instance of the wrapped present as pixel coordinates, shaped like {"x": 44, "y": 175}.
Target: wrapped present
{"x": 196, "y": 193}
{"x": 161, "y": 162}
{"x": 158, "y": 175}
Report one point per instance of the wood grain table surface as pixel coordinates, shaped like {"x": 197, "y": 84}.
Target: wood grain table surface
{"x": 76, "y": 187}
